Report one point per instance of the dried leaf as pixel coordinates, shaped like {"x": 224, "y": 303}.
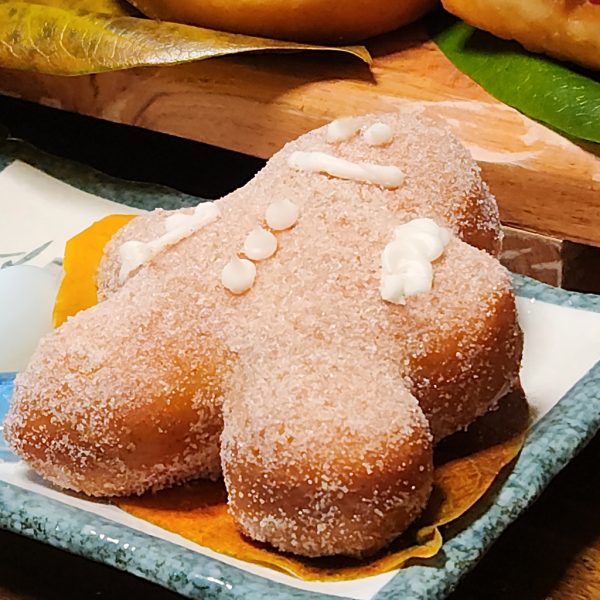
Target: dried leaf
{"x": 198, "y": 511}
{"x": 115, "y": 8}
{"x": 69, "y": 38}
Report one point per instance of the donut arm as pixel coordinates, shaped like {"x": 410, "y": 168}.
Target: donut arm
{"x": 119, "y": 410}
{"x": 450, "y": 392}
{"x": 460, "y": 346}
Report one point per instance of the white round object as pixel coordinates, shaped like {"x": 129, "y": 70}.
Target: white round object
{"x": 378, "y": 134}
{"x": 238, "y": 275}
{"x": 27, "y": 296}
{"x": 282, "y": 214}
{"x": 260, "y": 244}
{"x": 342, "y": 129}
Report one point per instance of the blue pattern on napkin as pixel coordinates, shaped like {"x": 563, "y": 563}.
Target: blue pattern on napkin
{"x": 6, "y": 388}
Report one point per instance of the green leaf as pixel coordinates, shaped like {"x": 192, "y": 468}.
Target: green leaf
{"x": 75, "y": 38}
{"x": 538, "y": 86}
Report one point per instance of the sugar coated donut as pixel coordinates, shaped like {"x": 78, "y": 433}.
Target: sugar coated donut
{"x": 378, "y": 323}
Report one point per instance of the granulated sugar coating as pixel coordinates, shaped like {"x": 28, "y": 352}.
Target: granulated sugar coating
{"x": 325, "y": 449}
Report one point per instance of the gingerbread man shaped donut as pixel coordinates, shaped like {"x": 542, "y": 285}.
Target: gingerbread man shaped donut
{"x": 310, "y": 336}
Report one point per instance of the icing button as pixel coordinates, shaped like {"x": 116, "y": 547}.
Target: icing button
{"x": 282, "y": 214}
{"x": 406, "y": 262}
{"x": 238, "y": 275}
{"x": 342, "y": 129}
{"x": 260, "y": 244}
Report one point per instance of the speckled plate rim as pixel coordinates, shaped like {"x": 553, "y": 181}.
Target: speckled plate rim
{"x": 551, "y": 444}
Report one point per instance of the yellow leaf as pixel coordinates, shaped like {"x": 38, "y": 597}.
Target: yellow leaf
{"x": 82, "y": 257}
{"x": 65, "y": 38}
{"x": 116, "y": 8}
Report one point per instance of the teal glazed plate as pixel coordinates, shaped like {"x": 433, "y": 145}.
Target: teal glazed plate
{"x": 561, "y": 378}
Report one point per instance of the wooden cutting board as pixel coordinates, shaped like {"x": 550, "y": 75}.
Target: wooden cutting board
{"x": 254, "y": 104}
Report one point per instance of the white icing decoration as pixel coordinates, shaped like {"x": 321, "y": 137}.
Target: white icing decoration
{"x": 176, "y": 220}
{"x": 406, "y": 261}
{"x": 342, "y": 129}
{"x": 260, "y": 244}
{"x": 178, "y": 226}
{"x": 423, "y": 235}
{"x": 282, "y": 214}
{"x": 378, "y": 134}
{"x": 411, "y": 277}
{"x": 320, "y": 162}
{"x": 238, "y": 275}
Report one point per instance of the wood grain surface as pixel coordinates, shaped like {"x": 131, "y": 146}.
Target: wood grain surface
{"x": 543, "y": 182}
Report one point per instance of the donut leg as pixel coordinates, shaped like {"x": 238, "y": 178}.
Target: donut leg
{"x": 342, "y": 468}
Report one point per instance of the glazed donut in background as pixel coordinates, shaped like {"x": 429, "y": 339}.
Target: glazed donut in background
{"x": 298, "y": 20}
{"x": 565, "y": 29}
{"x": 328, "y": 394}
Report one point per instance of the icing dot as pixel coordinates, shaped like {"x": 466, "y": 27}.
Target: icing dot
{"x": 342, "y": 129}
{"x": 238, "y": 275}
{"x": 260, "y": 244}
{"x": 282, "y": 214}
{"x": 378, "y": 134}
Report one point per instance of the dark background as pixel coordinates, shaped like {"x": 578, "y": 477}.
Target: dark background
{"x": 129, "y": 152}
